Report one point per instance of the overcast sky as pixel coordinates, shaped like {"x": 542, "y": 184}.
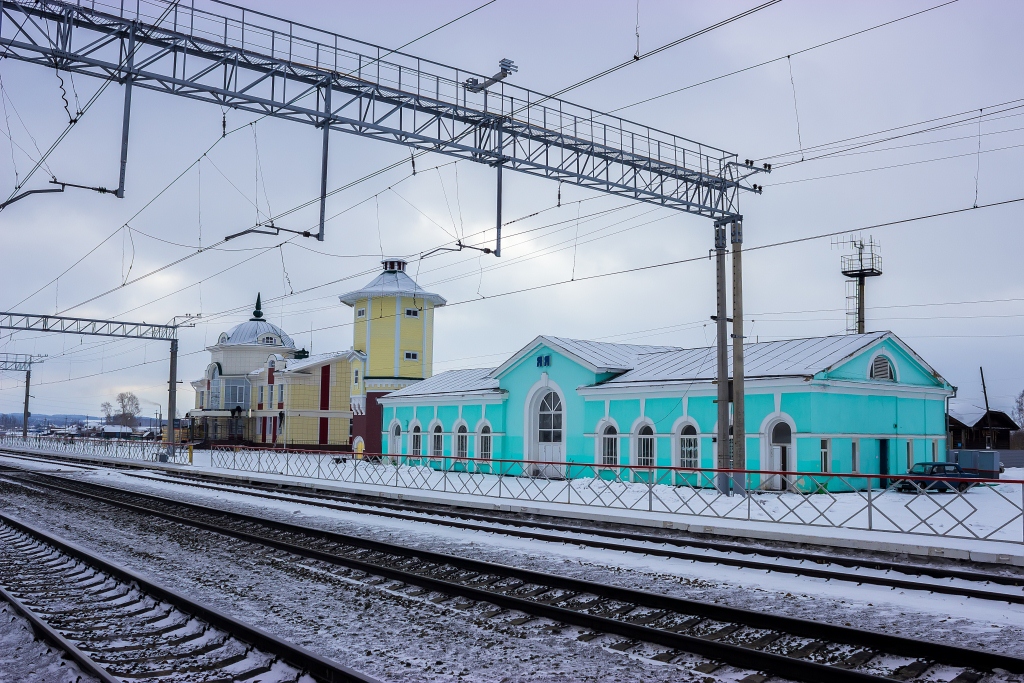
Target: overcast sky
{"x": 952, "y": 286}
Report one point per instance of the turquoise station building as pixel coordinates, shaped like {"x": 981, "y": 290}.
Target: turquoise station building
{"x": 856, "y": 403}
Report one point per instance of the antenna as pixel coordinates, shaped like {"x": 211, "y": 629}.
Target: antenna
{"x": 864, "y": 262}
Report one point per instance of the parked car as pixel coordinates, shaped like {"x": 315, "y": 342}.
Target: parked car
{"x": 952, "y": 476}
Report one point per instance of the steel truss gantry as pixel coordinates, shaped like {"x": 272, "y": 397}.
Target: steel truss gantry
{"x": 221, "y": 53}
{"x": 87, "y": 326}
{"x": 21, "y": 362}
{"x": 101, "y": 328}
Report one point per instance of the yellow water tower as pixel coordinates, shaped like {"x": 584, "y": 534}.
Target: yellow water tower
{"x": 394, "y": 327}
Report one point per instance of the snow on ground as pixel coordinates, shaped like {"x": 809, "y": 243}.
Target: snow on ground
{"x": 403, "y": 636}
{"x": 24, "y": 659}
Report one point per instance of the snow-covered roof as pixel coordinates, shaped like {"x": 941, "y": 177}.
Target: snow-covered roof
{"x": 475, "y": 381}
{"x": 392, "y": 283}
{"x": 252, "y": 331}
{"x": 789, "y": 358}
{"x": 297, "y": 365}
{"x": 598, "y": 356}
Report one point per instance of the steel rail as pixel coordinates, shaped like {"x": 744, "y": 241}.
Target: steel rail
{"x": 415, "y": 513}
{"x": 320, "y": 668}
{"x": 744, "y": 656}
{"x": 52, "y": 636}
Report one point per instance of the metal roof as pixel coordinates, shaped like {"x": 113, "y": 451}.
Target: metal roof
{"x": 475, "y": 381}
{"x": 789, "y": 358}
{"x": 598, "y": 356}
{"x": 251, "y": 331}
{"x": 297, "y": 365}
{"x": 392, "y": 283}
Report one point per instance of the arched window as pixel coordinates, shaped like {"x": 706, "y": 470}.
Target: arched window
{"x": 645, "y": 447}
{"x": 396, "y": 440}
{"x": 550, "y": 423}
{"x": 782, "y": 435}
{"x": 610, "y": 446}
{"x": 689, "y": 447}
{"x": 881, "y": 368}
{"x": 437, "y": 442}
{"x": 416, "y": 447}
{"x": 462, "y": 442}
{"x": 485, "y": 443}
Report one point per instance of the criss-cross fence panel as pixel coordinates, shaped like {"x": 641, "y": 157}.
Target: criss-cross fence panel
{"x": 972, "y": 508}
{"x": 122, "y": 449}
{"x": 227, "y": 55}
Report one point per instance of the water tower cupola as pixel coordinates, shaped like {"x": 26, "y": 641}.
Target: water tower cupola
{"x": 394, "y": 324}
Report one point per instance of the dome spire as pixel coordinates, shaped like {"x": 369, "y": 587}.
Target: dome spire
{"x": 258, "y": 313}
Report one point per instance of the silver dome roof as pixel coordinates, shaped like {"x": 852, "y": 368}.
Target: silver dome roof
{"x": 251, "y": 331}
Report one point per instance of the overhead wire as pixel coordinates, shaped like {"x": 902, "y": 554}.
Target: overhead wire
{"x": 780, "y": 58}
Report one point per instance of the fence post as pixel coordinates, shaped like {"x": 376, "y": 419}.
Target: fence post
{"x": 650, "y": 492}
{"x": 870, "y": 521}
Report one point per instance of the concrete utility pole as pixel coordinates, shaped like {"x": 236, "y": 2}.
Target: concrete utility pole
{"x": 739, "y": 436}
{"x": 722, "y": 479}
{"x": 172, "y": 392}
{"x": 25, "y": 413}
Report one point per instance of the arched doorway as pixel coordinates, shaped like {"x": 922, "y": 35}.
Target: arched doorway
{"x": 550, "y": 442}
{"x": 782, "y": 447}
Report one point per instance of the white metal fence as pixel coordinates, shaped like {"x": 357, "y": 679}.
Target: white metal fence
{"x": 150, "y": 451}
{"x": 969, "y": 508}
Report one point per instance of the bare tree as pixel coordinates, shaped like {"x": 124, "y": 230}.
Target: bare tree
{"x": 108, "y": 412}
{"x": 128, "y": 409}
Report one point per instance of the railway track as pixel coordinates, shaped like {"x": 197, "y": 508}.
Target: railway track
{"x": 792, "y": 648}
{"x": 899, "y": 575}
{"x": 117, "y": 625}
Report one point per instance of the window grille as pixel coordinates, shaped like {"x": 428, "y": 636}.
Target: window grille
{"x": 881, "y": 368}
{"x": 412, "y": 313}
{"x": 417, "y": 442}
{"x": 412, "y": 355}
{"x": 610, "y": 446}
{"x": 689, "y": 451}
{"x": 485, "y": 443}
{"x": 360, "y": 312}
{"x": 645, "y": 447}
{"x": 355, "y": 377}
{"x": 268, "y": 340}
{"x": 261, "y": 394}
{"x": 462, "y": 442}
{"x": 437, "y": 443}
{"x": 825, "y": 455}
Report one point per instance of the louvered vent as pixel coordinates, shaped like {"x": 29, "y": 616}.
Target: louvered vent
{"x": 881, "y": 368}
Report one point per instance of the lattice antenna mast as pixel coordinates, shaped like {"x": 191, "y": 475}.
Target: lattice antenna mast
{"x": 864, "y": 262}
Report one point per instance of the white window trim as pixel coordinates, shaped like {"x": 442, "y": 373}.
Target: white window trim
{"x": 599, "y": 437}
{"x": 634, "y": 442}
{"x": 412, "y": 356}
{"x": 892, "y": 364}
{"x": 430, "y": 439}
{"x": 455, "y": 438}
{"x": 825, "y": 454}
{"x": 677, "y": 433}
{"x": 484, "y": 424}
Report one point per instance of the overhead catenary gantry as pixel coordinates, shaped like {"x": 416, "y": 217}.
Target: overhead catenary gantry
{"x": 21, "y": 362}
{"x": 224, "y": 54}
{"x": 101, "y": 328}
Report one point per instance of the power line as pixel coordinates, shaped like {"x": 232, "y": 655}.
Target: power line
{"x": 778, "y": 59}
{"x": 693, "y": 259}
{"x": 658, "y": 50}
